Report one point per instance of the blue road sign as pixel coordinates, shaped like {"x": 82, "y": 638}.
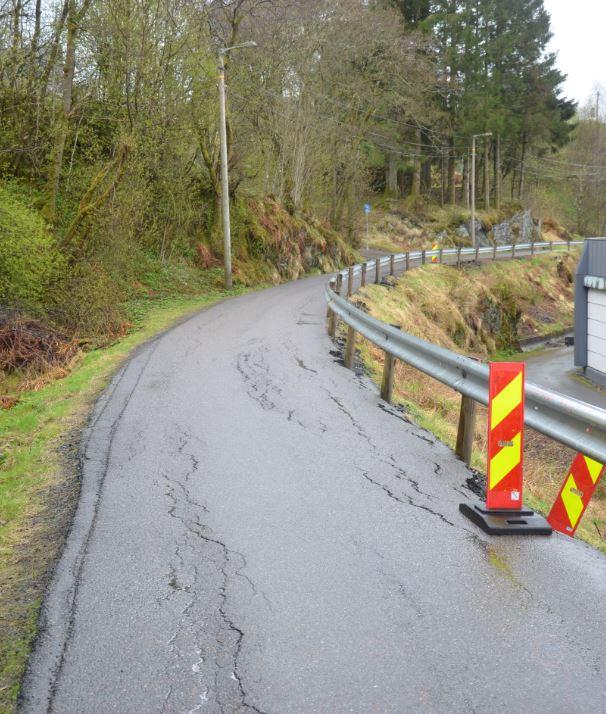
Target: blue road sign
{"x": 367, "y": 208}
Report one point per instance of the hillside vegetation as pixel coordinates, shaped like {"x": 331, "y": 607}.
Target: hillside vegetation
{"x": 480, "y": 310}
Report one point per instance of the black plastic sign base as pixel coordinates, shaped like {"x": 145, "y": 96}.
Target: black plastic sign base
{"x": 506, "y": 522}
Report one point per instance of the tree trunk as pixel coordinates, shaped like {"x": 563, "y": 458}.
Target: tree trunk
{"x": 37, "y": 26}
{"x": 522, "y": 169}
{"x": 391, "y": 175}
{"x": 497, "y": 173}
{"x": 452, "y": 186}
{"x": 426, "y": 176}
{"x": 62, "y": 125}
{"x": 443, "y": 178}
{"x": 16, "y": 40}
{"x": 486, "y": 176}
{"x": 54, "y": 52}
{"x": 415, "y": 190}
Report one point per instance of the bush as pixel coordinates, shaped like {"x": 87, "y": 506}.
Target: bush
{"x": 29, "y": 256}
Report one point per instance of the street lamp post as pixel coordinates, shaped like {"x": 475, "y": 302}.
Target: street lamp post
{"x": 224, "y": 168}
{"x": 473, "y": 185}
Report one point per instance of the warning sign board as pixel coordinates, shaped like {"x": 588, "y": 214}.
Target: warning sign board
{"x": 505, "y": 436}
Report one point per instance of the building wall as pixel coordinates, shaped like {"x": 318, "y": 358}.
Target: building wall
{"x": 596, "y": 330}
{"x": 590, "y": 311}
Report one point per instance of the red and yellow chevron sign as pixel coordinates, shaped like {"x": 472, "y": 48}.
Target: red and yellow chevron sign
{"x": 575, "y": 494}
{"x": 505, "y": 436}
{"x": 434, "y": 258}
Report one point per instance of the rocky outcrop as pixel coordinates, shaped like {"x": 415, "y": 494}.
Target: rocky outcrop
{"x": 520, "y": 228}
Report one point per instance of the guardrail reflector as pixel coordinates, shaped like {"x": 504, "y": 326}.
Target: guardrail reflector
{"x": 504, "y": 513}
{"x": 575, "y": 494}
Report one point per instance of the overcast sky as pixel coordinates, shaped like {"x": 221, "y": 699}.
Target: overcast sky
{"x": 578, "y": 27}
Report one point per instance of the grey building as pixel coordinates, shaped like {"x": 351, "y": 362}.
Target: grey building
{"x": 590, "y": 311}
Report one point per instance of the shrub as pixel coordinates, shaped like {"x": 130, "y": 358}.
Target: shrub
{"x": 29, "y": 256}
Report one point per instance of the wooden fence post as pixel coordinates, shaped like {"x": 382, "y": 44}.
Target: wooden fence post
{"x": 466, "y": 432}
{"x": 387, "y": 381}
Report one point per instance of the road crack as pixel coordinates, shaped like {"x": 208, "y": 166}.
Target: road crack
{"x": 201, "y": 579}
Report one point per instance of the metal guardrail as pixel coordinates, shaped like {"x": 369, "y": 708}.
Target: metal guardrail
{"x": 501, "y": 251}
{"x": 569, "y": 421}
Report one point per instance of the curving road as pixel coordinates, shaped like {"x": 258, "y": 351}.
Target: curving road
{"x": 258, "y": 532}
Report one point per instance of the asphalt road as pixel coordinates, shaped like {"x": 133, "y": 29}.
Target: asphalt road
{"x": 258, "y": 532}
{"x": 553, "y": 367}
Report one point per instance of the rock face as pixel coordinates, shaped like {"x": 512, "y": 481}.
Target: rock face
{"x": 481, "y": 235}
{"x": 517, "y": 229}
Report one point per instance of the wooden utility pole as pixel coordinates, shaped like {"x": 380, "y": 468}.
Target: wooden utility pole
{"x": 224, "y": 176}
{"x": 224, "y": 162}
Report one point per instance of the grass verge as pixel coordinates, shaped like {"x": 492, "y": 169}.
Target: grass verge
{"x": 38, "y": 483}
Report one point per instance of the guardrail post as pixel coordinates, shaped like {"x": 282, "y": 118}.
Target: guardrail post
{"x": 550, "y": 245}
{"x": 392, "y": 260}
{"x": 459, "y": 257}
{"x": 339, "y": 284}
{"x": 494, "y": 251}
{"x": 331, "y": 285}
{"x": 513, "y": 250}
{"x": 377, "y": 270}
{"x": 477, "y": 252}
{"x": 363, "y": 278}
{"x": 350, "y": 347}
{"x": 332, "y": 324}
{"x": 422, "y": 257}
{"x": 350, "y": 281}
{"x": 389, "y": 365}
{"x": 407, "y": 260}
{"x": 466, "y": 432}
{"x": 568, "y": 245}
{"x": 331, "y": 315}
{"x": 440, "y": 256}
{"x": 532, "y": 247}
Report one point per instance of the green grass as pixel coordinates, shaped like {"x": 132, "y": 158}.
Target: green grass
{"x": 38, "y": 490}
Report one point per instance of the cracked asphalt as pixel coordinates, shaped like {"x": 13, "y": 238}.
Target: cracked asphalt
{"x": 257, "y": 532}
